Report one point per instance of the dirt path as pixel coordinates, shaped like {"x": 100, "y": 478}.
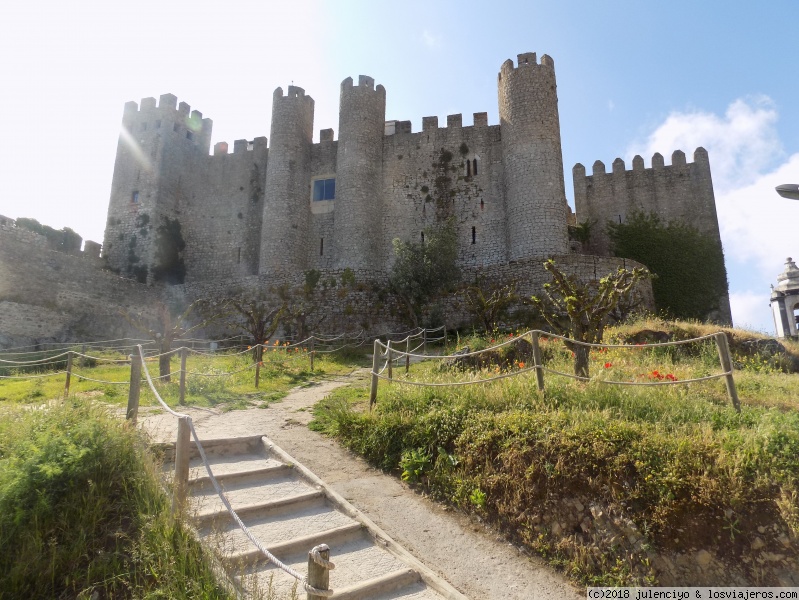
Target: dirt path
{"x": 472, "y": 558}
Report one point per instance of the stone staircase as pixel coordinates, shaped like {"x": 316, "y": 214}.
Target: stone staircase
{"x": 290, "y": 510}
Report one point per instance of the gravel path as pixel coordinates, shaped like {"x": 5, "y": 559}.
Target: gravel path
{"x": 472, "y": 558}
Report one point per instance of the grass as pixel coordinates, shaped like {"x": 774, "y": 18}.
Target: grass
{"x": 652, "y": 470}
{"x": 207, "y": 381}
{"x": 82, "y": 514}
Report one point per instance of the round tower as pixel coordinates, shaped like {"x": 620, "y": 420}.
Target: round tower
{"x": 287, "y": 201}
{"x": 359, "y": 166}
{"x": 535, "y": 199}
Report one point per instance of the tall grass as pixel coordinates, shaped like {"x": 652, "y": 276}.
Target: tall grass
{"x": 676, "y": 461}
{"x": 82, "y": 514}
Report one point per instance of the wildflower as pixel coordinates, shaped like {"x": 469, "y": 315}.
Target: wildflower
{"x": 277, "y": 342}
{"x": 608, "y": 365}
{"x": 493, "y": 340}
{"x": 521, "y": 364}
{"x": 249, "y": 347}
{"x": 671, "y": 377}
{"x": 261, "y": 364}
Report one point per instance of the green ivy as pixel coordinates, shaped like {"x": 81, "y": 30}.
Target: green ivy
{"x": 691, "y": 277}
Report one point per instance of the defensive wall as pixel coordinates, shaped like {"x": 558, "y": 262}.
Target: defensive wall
{"x": 48, "y": 295}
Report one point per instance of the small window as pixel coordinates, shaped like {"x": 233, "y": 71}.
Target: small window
{"x": 468, "y": 168}
{"x": 176, "y": 127}
{"x": 475, "y": 166}
{"x": 324, "y": 189}
{"x": 238, "y": 258}
{"x": 321, "y": 246}
{"x": 143, "y": 126}
{"x": 134, "y": 197}
{"x": 474, "y": 235}
{"x": 482, "y": 204}
{"x": 189, "y": 135}
{"x": 423, "y": 238}
{"x": 158, "y": 124}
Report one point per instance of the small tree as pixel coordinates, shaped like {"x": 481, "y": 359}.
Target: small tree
{"x": 261, "y": 316}
{"x": 422, "y": 271}
{"x": 580, "y": 311}
{"x": 487, "y": 303}
{"x": 170, "y": 324}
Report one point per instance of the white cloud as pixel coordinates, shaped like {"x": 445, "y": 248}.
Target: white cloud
{"x": 747, "y": 161}
{"x": 751, "y": 311}
{"x": 742, "y": 143}
{"x": 430, "y": 39}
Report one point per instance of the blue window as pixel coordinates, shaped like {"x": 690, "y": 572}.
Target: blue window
{"x": 324, "y": 189}
{"x": 134, "y": 197}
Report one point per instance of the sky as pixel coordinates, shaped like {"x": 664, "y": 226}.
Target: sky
{"x": 633, "y": 77}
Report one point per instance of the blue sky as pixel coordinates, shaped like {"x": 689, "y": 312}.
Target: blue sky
{"x": 633, "y": 77}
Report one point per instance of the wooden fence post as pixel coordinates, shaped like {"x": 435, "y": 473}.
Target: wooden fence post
{"x": 537, "y": 361}
{"x": 257, "y": 366}
{"x": 182, "y": 451}
{"x": 375, "y": 364}
{"x": 445, "y": 340}
{"x": 318, "y": 575}
{"x": 390, "y": 360}
{"x": 424, "y": 341}
{"x": 183, "y": 352}
{"x": 312, "y": 351}
{"x": 726, "y": 364}
{"x": 407, "y": 353}
{"x": 135, "y": 386}
{"x": 69, "y": 374}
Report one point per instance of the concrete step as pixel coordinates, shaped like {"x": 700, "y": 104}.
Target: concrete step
{"x": 289, "y": 511}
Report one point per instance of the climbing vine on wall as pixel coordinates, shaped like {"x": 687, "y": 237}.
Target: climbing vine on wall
{"x": 169, "y": 267}
{"x": 691, "y": 278}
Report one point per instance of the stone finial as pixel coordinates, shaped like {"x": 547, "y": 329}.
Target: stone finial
{"x": 788, "y": 280}
{"x": 678, "y": 158}
{"x": 599, "y": 168}
{"x": 657, "y": 161}
{"x": 638, "y": 163}
{"x": 618, "y": 166}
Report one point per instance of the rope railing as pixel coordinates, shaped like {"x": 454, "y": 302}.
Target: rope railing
{"x": 186, "y": 425}
{"x": 390, "y": 352}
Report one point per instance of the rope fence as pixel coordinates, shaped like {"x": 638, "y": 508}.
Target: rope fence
{"x": 186, "y": 430}
{"x": 389, "y": 353}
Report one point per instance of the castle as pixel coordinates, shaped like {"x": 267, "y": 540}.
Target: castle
{"x": 273, "y": 210}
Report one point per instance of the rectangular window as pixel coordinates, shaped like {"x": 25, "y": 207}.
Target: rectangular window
{"x": 175, "y": 127}
{"x": 189, "y": 135}
{"x": 324, "y": 189}
{"x": 134, "y": 197}
{"x": 158, "y": 124}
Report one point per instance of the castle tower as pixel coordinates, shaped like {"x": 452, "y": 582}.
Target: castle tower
{"x": 287, "y": 197}
{"x": 785, "y": 301}
{"x": 359, "y": 165}
{"x": 159, "y": 146}
{"x": 535, "y": 198}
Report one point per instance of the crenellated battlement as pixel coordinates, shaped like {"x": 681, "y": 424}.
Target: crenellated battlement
{"x": 618, "y": 166}
{"x": 165, "y": 115}
{"x": 527, "y": 62}
{"x": 681, "y": 191}
{"x": 240, "y": 146}
{"x": 365, "y": 84}
{"x": 64, "y": 241}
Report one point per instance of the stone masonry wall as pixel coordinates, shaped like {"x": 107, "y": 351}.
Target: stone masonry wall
{"x": 49, "y": 295}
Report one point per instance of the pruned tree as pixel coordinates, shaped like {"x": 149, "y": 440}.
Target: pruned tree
{"x": 424, "y": 270}
{"x": 580, "y": 311}
{"x": 489, "y": 302}
{"x": 302, "y": 309}
{"x": 170, "y": 324}
{"x": 261, "y": 315}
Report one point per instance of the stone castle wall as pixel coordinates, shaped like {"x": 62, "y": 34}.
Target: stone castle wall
{"x": 677, "y": 192}
{"x": 50, "y": 295}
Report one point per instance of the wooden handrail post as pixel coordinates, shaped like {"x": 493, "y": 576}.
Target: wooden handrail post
{"x": 135, "y": 387}
{"x": 726, "y": 364}
{"x": 375, "y": 365}
{"x": 445, "y": 340}
{"x": 537, "y": 360}
{"x": 183, "y": 353}
{"x": 407, "y": 353}
{"x": 182, "y": 451}
{"x": 318, "y": 575}
{"x": 258, "y": 361}
{"x": 312, "y": 351}
{"x": 424, "y": 341}
{"x": 390, "y": 360}
{"x": 69, "y": 374}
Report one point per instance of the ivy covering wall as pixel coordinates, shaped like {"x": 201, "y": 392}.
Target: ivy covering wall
{"x": 691, "y": 277}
